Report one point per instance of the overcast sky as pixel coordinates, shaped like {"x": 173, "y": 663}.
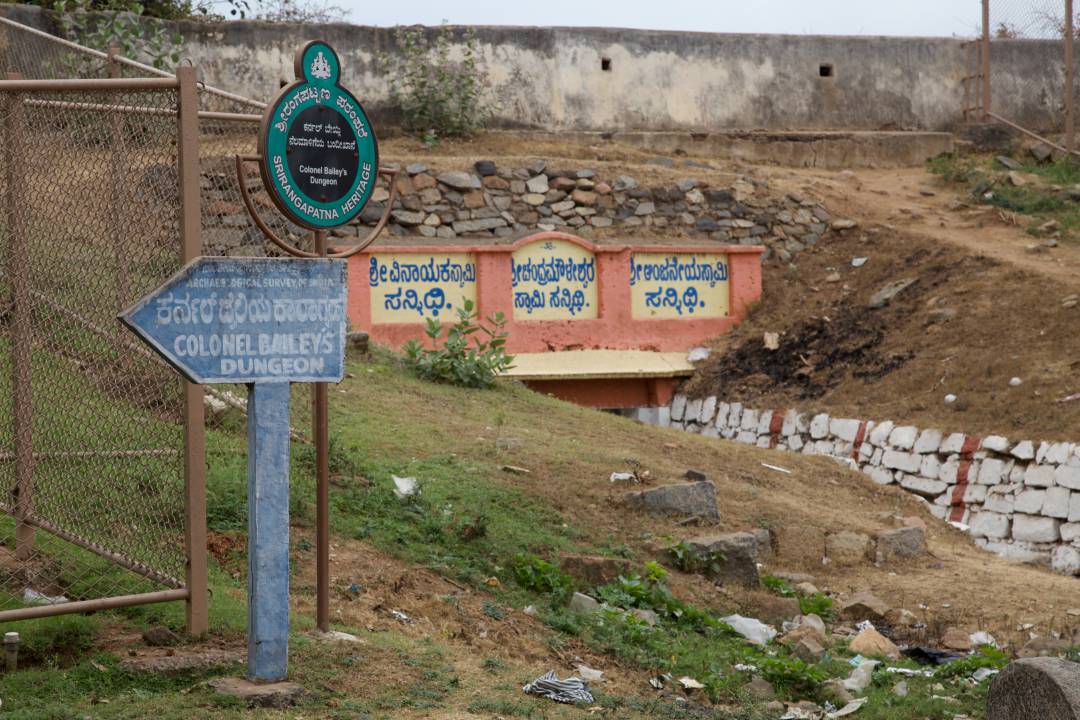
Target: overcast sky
{"x": 818, "y": 17}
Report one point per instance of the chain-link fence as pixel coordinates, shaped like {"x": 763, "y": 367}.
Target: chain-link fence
{"x": 91, "y": 434}
{"x": 91, "y": 425}
{"x": 1021, "y": 73}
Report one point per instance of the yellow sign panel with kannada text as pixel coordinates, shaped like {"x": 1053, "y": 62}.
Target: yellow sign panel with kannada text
{"x": 665, "y": 286}
{"x": 553, "y": 280}
{"x": 412, "y": 287}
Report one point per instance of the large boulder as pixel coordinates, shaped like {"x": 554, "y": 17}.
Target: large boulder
{"x": 697, "y": 498}
{"x": 864, "y": 606}
{"x": 848, "y": 548}
{"x": 731, "y": 557}
{"x": 1043, "y": 688}
{"x": 906, "y": 542}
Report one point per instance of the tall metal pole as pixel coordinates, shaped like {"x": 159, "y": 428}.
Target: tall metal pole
{"x": 21, "y": 326}
{"x": 197, "y": 610}
{"x": 1069, "y": 112}
{"x": 321, "y": 421}
{"x": 986, "y": 59}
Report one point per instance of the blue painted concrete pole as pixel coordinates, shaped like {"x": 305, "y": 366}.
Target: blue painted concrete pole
{"x": 268, "y": 531}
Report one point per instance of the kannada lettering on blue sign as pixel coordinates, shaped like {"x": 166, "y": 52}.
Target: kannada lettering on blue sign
{"x": 249, "y": 320}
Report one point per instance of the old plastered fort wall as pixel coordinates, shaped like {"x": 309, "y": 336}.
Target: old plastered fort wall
{"x": 1019, "y": 499}
{"x": 610, "y": 80}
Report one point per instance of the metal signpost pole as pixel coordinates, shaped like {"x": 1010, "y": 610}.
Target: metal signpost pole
{"x": 321, "y": 420}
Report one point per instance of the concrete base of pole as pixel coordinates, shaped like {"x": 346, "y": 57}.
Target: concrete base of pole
{"x": 274, "y": 695}
{"x": 1043, "y": 688}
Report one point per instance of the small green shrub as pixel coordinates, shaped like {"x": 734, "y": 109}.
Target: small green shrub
{"x": 987, "y": 656}
{"x": 458, "y": 362}
{"x": 687, "y": 560}
{"x": 540, "y": 576}
{"x": 778, "y": 585}
{"x": 795, "y": 676}
{"x": 439, "y": 96}
{"x": 818, "y": 604}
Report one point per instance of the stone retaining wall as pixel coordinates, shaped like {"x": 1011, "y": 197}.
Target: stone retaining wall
{"x": 489, "y": 201}
{"x": 1018, "y": 499}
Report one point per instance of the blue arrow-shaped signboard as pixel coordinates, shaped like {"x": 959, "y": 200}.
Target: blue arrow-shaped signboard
{"x": 265, "y": 323}
{"x": 248, "y": 320}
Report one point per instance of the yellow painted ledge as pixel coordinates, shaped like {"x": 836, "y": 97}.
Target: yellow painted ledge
{"x": 590, "y": 364}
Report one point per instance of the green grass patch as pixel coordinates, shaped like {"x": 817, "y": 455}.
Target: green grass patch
{"x": 1054, "y": 198}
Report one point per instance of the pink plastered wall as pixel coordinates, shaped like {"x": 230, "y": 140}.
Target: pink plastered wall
{"x": 614, "y": 327}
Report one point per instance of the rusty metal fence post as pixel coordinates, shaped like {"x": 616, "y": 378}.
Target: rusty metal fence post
{"x": 194, "y": 429}
{"x": 21, "y": 329}
{"x": 986, "y": 60}
{"x": 1070, "y": 35}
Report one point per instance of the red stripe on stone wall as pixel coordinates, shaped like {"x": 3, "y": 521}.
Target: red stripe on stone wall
{"x": 859, "y": 437}
{"x": 776, "y": 425}
{"x": 971, "y": 444}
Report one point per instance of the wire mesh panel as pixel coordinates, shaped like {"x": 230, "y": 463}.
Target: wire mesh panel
{"x": 1027, "y": 68}
{"x": 1027, "y": 19}
{"x": 91, "y": 424}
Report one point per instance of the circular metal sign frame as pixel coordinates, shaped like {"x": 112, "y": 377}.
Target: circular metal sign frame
{"x": 318, "y": 72}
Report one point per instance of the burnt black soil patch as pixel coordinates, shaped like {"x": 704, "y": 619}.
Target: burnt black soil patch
{"x": 814, "y": 356}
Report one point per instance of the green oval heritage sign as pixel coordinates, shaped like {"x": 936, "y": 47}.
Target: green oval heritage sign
{"x": 319, "y": 153}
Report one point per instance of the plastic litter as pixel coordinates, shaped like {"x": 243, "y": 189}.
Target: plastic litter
{"x": 690, "y": 683}
{"x": 777, "y": 468}
{"x": 33, "y": 597}
{"x": 849, "y": 709}
{"x": 980, "y": 638}
{"x": 950, "y": 399}
{"x": 698, "y": 354}
{"x": 757, "y": 632}
{"x": 860, "y": 677}
{"x": 930, "y": 656}
{"x": 405, "y": 487}
{"x": 908, "y": 672}
{"x": 658, "y": 681}
{"x": 568, "y": 691}
{"x": 589, "y": 674}
{"x": 983, "y": 673}
{"x": 623, "y": 477}
{"x": 865, "y": 625}
{"x": 858, "y": 262}
{"x": 856, "y": 661}
{"x": 401, "y": 617}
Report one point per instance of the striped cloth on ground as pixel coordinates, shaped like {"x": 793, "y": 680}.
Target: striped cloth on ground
{"x": 570, "y": 690}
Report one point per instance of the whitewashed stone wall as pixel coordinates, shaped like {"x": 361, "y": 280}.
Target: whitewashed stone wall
{"x": 1018, "y": 499}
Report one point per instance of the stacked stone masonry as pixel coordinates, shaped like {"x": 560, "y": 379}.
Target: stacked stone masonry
{"x": 1020, "y": 499}
{"x": 488, "y": 202}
